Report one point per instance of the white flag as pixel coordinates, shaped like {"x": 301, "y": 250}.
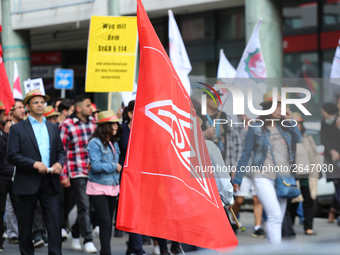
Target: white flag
{"x": 178, "y": 54}
{"x": 225, "y": 69}
{"x": 17, "y": 94}
{"x": 225, "y": 74}
{"x": 335, "y": 72}
{"x": 252, "y": 66}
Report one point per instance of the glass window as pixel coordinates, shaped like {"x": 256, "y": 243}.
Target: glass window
{"x": 161, "y": 30}
{"x": 198, "y": 68}
{"x": 298, "y": 15}
{"x": 193, "y": 29}
{"x": 202, "y": 69}
{"x": 330, "y": 90}
{"x": 328, "y": 55}
{"x": 331, "y": 13}
{"x": 304, "y": 65}
{"x": 297, "y": 64}
{"x": 197, "y": 27}
{"x": 231, "y": 24}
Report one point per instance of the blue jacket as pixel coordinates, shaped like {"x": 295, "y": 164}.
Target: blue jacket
{"x": 103, "y": 163}
{"x": 258, "y": 141}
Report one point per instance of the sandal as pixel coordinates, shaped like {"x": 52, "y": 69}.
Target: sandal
{"x": 310, "y": 233}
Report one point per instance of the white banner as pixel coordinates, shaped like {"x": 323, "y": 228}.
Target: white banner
{"x": 34, "y": 84}
{"x": 178, "y": 53}
{"x": 252, "y": 66}
{"x": 16, "y": 83}
{"x": 225, "y": 74}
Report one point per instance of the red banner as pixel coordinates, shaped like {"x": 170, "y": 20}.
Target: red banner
{"x": 6, "y": 95}
{"x": 162, "y": 195}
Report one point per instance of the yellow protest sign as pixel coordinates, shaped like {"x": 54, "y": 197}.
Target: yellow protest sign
{"x": 111, "y": 54}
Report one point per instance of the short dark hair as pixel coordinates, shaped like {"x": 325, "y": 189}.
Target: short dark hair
{"x": 56, "y": 100}
{"x": 330, "y": 108}
{"x": 18, "y": 100}
{"x": 65, "y": 104}
{"x": 80, "y": 98}
{"x": 131, "y": 106}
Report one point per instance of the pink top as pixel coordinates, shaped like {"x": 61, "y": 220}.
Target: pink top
{"x": 93, "y": 188}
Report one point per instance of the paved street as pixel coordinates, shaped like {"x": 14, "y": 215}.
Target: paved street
{"x": 325, "y": 232}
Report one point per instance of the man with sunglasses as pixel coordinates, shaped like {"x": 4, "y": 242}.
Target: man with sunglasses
{"x": 35, "y": 148}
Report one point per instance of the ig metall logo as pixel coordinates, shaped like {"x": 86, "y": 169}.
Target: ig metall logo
{"x": 238, "y": 99}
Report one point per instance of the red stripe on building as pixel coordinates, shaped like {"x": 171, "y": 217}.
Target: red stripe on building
{"x": 329, "y": 40}
{"x": 42, "y": 58}
{"x": 300, "y": 43}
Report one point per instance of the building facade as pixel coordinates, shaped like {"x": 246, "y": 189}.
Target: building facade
{"x": 58, "y": 32}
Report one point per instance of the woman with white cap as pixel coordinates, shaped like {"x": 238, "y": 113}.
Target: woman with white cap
{"x": 103, "y": 183}
{"x": 271, "y": 144}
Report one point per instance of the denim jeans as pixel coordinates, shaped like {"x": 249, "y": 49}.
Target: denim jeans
{"x": 11, "y": 219}
{"x": 104, "y": 207}
{"x": 135, "y": 244}
{"x": 82, "y": 226}
{"x": 163, "y": 244}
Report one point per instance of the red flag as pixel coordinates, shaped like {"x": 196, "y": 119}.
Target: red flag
{"x": 161, "y": 194}
{"x": 6, "y": 95}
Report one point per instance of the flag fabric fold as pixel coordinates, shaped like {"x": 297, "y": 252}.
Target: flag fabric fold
{"x": 178, "y": 54}
{"x": 252, "y": 66}
{"x": 17, "y": 94}
{"x": 252, "y": 63}
{"x": 225, "y": 74}
{"x": 161, "y": 193}
{"x": 6, "y": 95}
{"x": 225, "y": 69}
{"x": 335, "y": 72}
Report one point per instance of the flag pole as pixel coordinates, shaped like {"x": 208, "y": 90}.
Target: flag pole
{"x": 109, "y": 101}
{"x": 220, "y": 111}
{"x": 235, "y": 218}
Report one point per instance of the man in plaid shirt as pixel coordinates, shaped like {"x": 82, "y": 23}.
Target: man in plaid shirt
{"x": 75, "y": 133}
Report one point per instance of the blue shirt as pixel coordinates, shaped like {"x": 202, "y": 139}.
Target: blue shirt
{"x": 43, "y": 139}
